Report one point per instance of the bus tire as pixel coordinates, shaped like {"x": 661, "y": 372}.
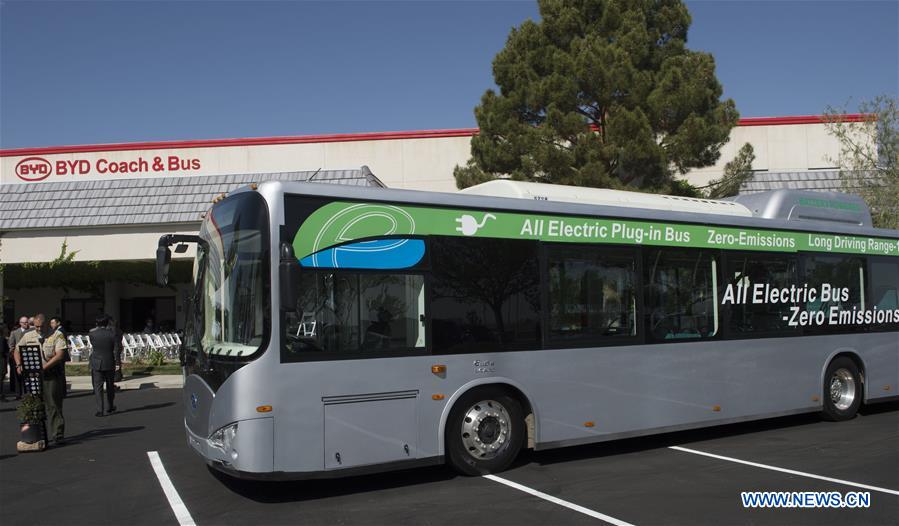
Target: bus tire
{"x": 842, "y": 390}
{"x": 484, "y": 432}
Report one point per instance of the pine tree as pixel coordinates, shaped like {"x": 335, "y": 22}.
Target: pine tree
{"x": 736, "y": 172}
{"x": 600, "y": 93}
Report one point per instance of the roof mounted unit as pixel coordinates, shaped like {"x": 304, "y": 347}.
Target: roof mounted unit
{"x": 806, "y": 206}
{"x": 601, "y": 196}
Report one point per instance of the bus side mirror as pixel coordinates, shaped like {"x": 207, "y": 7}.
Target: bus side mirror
{"x": 290, "y": 284}
{"x": 163, "y": 258}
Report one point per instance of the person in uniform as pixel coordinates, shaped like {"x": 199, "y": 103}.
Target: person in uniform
{"x": 53, "y": 352}
{"x": 103, "y": 363}
{"x": 16, "y": 384}
{"x": 56, "y": 327}
{"x": 4, "y": 357}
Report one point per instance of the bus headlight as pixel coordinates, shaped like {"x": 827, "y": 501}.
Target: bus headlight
{"x": 224, "y": 437}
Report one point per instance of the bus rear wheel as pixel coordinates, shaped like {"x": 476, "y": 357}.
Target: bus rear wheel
{"x": 484, "y": 432}
{"x": 842, "y": 390}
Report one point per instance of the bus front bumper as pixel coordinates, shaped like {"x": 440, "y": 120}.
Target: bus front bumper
{"x": 250, "y": 450}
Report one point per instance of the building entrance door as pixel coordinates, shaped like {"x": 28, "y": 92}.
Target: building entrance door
{"x": 136, "y": 312}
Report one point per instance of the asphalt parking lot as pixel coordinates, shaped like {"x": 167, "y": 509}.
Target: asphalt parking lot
{"x": 103, "y": 475}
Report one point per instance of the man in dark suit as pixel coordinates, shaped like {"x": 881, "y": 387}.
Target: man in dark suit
{"x": 103, "y": 363}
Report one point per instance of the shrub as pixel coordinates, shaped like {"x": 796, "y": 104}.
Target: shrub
{"x": 156, "y": 358}
{"x": 31, "y": 409}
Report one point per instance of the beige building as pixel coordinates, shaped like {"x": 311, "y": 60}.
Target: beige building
{"x": 110, "y": 203}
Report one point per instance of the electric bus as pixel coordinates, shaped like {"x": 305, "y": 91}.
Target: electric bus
{"x": 334, "y": 330}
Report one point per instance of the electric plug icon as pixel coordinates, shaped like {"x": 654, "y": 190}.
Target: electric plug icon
{"x": 469, "y": 226}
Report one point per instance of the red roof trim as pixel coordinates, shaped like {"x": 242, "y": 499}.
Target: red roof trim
{"x": 800, "y": 119}
{"x": 345, "y": 137}
{"x": 252, "y": 141}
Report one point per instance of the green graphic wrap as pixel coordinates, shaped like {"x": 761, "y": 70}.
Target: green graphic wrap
{"x": 340, "y": 222}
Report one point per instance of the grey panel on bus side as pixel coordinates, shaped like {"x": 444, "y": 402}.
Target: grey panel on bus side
{"x": 623, "y": 390}
{"x": 353, "y": 438}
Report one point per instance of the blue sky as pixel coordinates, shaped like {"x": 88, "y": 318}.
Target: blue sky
{"x": 98, "y": 72}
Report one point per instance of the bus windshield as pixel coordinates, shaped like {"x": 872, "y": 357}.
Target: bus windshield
{"x": 230, "y": 307}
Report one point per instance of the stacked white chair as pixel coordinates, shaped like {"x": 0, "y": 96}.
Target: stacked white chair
{"x": 83, "y": 344}
{"x": 137, "y": 344}
{"x": 128, "y": 349}
{"x": 74, "y": 350}
{"x": 172, "y": 344}
{"x": 144, "y": 341}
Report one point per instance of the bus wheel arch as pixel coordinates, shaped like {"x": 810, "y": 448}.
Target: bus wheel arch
{"x": 843, "y": 386}
{"x": 500, "y": 409}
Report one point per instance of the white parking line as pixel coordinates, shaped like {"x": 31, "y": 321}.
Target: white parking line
{"x": 560, "y": 502}
{"x": 784, "y": 470}
{"x": 181, "y": 513}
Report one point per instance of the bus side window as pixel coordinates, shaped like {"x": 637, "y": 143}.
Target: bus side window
{"x": 885, "y": 292}
{"x": 592, "y": 295}
{"x": 746, "y": 273}
{"x": 486, "y": 295}
{"x": 350, "y": 312}
{"x": 680, "y": 294}
{"x": 839, "y": 283}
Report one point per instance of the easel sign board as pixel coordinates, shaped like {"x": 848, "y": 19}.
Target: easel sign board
{"x": 32, "y": 375}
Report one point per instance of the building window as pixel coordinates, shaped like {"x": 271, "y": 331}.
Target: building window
{"x": 80, "y": 315}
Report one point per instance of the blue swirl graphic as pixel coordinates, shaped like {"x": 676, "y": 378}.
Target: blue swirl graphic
{"x": 378, "y": 254}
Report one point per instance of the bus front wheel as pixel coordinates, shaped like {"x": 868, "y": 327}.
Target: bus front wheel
{"x": 484, "y": 432}
{"x": 842, "y": 390}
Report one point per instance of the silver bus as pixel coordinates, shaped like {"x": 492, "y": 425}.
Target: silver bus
{"x": 334, "y": 330}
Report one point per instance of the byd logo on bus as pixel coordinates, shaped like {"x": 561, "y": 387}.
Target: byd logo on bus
{"x": 33, "y": 169}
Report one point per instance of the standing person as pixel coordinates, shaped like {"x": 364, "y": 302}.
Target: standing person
{"x": 114, "y": 326}
{"x": 103, "y": 363}
{"x": 56, "y": 327}
{"x": 53, "y": 352}
{"x": 15, "y": 379}
{"x": 150, "y": 326}
{"x": 4, "y": 357}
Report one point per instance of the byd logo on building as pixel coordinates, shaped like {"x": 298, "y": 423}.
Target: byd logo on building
{"x": 33, "y": 169}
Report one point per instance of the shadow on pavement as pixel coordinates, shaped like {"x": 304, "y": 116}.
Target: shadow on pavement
{"x": 79, "y": 394}
{"x": 876, "y": 409}
{"x": 98, "y": 434}
{"x": 303, "y": 490}
{"x": 145, "y": 407}
{"x": 637, "y": 444}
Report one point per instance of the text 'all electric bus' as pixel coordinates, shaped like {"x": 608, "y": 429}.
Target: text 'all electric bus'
{"x": 336, "y": 329}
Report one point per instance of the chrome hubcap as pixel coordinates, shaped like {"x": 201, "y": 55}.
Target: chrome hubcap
{"x": 485, "y": 429}
{"x": 842, "y": 389}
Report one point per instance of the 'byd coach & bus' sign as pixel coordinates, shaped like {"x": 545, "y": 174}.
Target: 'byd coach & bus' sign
{"x": 33, "y": 169}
